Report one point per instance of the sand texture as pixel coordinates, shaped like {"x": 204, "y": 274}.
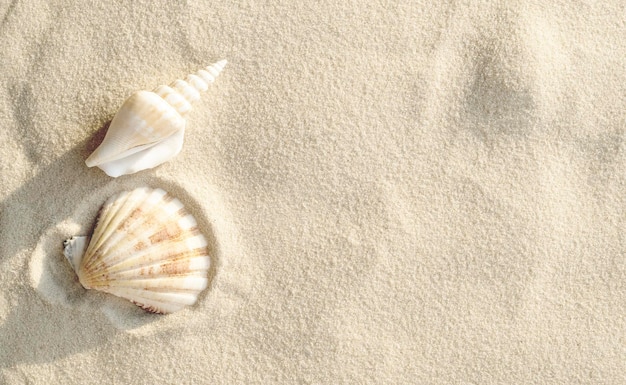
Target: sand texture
{"x": 393, "y": 192}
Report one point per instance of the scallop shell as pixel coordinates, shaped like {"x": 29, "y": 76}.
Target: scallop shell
{"x": 149, "y": 127}
{"x": 145, "y": 248}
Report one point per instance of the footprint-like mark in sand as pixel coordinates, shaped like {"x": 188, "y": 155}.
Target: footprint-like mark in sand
{"x": 53, "y": 278}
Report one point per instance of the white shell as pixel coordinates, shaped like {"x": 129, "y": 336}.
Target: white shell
{"x": 149, "y": 127}
{"x": 145, "y": 248}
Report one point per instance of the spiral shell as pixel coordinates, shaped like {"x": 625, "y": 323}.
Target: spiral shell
{"x": 145, "y": 248}
{"x": 149, "y": 128}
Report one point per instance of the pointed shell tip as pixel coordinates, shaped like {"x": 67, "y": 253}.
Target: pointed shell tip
{"x": 221, "y": 64}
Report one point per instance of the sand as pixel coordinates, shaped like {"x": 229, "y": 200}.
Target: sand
{"x": 394, "y": 192}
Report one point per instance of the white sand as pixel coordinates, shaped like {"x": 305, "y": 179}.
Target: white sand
{"x": 429, "y": 194}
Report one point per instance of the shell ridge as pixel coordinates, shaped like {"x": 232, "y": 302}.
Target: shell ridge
{"x": 121, "y": 288}
{"x": 190, "y": 90}
{"x": 111, "y": 243}
{"x": 142, "y": 196}
{"x": 185, "y": 298}
{"x": 186, "y": 264}
{"x": 182, "y": 281}
{"x": 151, "y": 254}
{"x": 118, "y": 216}
{"x": 187, "y": 284}
{"x": 112, "y": 215}
{"x": 131, "y": 241}
{"x": 176, "y": 284}
{"x": 104, "y": 219}
{"x": 161, "y": 302}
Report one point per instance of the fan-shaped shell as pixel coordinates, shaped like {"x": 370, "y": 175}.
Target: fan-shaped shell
{"x": 149, "y": 127}
{"x": 145, "y": 248}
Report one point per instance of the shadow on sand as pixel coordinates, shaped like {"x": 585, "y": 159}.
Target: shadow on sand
{"x": 29, "y": 218}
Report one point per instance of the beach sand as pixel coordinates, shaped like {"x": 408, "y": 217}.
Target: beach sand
{"x": 393, "y": 192}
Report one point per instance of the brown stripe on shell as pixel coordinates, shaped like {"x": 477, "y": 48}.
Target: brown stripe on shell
{"x": 170, "y": 231}
{"x": 134, "y": 215}
{"x": 142, "y": 245}
{"x": 177, "y": 264}
{"x": 150, "y": 217}
{"x": 98, "y": 277}
{"x": 171, "y": 268}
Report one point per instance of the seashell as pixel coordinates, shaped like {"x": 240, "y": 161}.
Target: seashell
{"x": 149, "y": 127}
{"x": 145, "y": 248}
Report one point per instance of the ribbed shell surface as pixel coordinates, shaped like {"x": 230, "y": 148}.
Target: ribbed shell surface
{"x": 149, "y": 127}
{"x": 148, "y": 249}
